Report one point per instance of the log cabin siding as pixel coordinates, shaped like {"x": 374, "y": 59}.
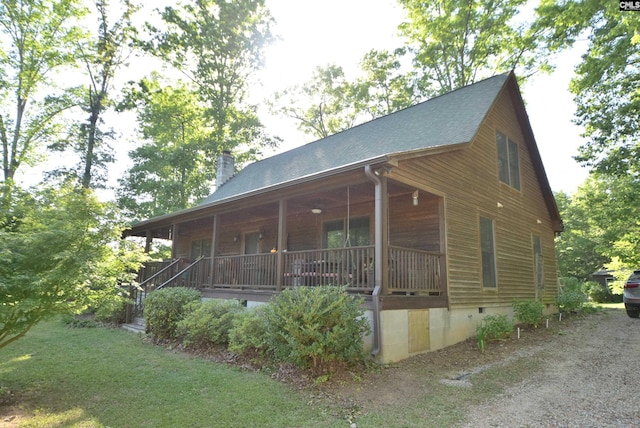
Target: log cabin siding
{"x": 469, "y": 180}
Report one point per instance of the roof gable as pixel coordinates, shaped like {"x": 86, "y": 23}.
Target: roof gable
{"x": 448, "y": 120}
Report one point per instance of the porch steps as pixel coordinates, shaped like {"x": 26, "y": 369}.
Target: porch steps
{"x": 138, "y": 325}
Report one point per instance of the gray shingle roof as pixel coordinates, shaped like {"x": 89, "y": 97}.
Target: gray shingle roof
{"x": 449, "y": 119}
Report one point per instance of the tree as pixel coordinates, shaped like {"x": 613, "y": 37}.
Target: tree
{"x": 601, "y": 225}
{"x": 578, "y": 247}
{"x": 329, "y": 103}
{"x": 385, "y": 88}
{"x": 322, "y": 106}
{"x": 458, "y": 42}
{"x": 102, "y": 58}
{"x": 217, "y": 45}
{"x": 451, "y": 43}
{"x": 607, "y": 81}
{"x": 39, "y": 38}
{"x": 170, "y": 170}
{"x": 58, "y": 256}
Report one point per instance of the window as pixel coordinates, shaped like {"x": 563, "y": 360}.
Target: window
{"x": 538, "y": 262}
{"x": 489, "y": 279}
{"x": 335, "y": 233}
{"x": 508, "y": 161}
{"x": 200, "y": 247}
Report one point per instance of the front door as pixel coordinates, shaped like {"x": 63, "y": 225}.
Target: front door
{"x": 251, "y": 243}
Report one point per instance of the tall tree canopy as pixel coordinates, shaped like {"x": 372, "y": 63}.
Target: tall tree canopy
{"x": 457, "y": 42}
{"x": 328, "y": 99}
{"x": 218, "y": 44}
{"x": 102, "y": 57}
{"x": 607, "y": 81}
{"x": 602, "y": 223}
{"x": 38, "y": 37}
{"x": 170, "y": 170}
{"x": 449, "y": 43}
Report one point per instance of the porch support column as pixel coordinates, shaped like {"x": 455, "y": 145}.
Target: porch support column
{"x": 382, "y": 246}
{"x": 282, "y": 242}
{"x": 214, "y": 244}
{"x": 174, "y": 236}
{"x": 381, "y": 231}
{"x": 148, "y": 242}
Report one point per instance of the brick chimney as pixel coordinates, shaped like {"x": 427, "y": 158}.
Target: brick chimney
{"x": 225, "y": 169}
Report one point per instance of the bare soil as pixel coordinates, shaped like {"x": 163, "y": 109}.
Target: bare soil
{"x": 585, "y": 374}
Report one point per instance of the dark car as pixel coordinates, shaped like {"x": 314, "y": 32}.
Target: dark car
{"x": 631, "y": 295}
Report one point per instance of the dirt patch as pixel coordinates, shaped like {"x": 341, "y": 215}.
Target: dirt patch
{"x": 387, "y": 386}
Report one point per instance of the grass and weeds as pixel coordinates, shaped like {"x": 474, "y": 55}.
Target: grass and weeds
{"x": 59, "y": 376}
{"x": 98, "y": 377}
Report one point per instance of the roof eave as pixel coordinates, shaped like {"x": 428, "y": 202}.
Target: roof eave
{"x": 162, "y": 220}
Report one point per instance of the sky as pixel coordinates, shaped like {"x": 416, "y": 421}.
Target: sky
{"x": 317, "y": 33}
{"x": 313, "y": 33}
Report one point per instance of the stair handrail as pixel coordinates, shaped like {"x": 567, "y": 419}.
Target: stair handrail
{"x": 176, "y": 276}
{"x": 161, "y": 271}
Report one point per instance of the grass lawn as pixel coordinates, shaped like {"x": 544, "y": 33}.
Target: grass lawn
{"x": 59, "y": 376}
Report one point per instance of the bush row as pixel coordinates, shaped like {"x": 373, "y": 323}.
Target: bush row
{"x": 310, "y": 327}
{"x": 572, "y": 298}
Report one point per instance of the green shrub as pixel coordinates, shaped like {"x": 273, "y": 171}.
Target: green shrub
{"x": 570, "y": 297}
{"x": 529, "y": 311}
{"x": 208, "y": 323}
{"x": 316, "y": 327}
{"x": 493, "y": 327}
{"x": 165, "y": 308}
{"x": 112, "y": 309}
{"x": 249, "y": 331}
{"x": 601, "y": 294}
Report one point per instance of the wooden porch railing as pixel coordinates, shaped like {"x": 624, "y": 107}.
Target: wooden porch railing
{"x": 352, "y": 267}
{"x": 149, "y": 278}
{"x": 415, "y": 271}
{"x": 410, "y": 271}
{"x": 257, "y": 271}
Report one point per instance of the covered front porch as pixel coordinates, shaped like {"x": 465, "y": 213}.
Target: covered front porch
{"x": 375, "y": 236}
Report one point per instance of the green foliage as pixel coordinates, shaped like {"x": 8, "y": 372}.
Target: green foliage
{"x": 39, "y": 37}
{"x": 112, "y": 308}
{"x": 172, "y": 122}
{"x": 218, "y": 45}
{"x": 493, "y": 327}
{"x": 457, "y": 42}
{"x": 208, "y": 323}
{"x": 332, "y": 102}
{"x": 57, "y": 256}
{"x": 601, "y": 227}
{"x": 529, "y": 311}
{"x": 606, "y": 81}
{"x": 102, "y": 57}
{"x": 571, "y": 296}
{"x": 599, "y": 294}
{"x": 165, "y": 308}
{"x": 579, "y": 247}
{"x": 249, "y": 331}
{"x": 315, "y": 327}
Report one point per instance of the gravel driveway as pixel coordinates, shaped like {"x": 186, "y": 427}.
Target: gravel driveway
{"x": 592, "y": 379}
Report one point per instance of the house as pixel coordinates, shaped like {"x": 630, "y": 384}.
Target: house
{"x": 439, "y": 215}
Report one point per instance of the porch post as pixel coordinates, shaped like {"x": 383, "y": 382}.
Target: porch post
{"x": 382, "y": 212}
{"x": 282, "y": 242}
{"x": 149, "y": 240}
{"x": 174, "y": 236}
{"x": 381, "y": 230}
{"x": 214, "y": 244}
